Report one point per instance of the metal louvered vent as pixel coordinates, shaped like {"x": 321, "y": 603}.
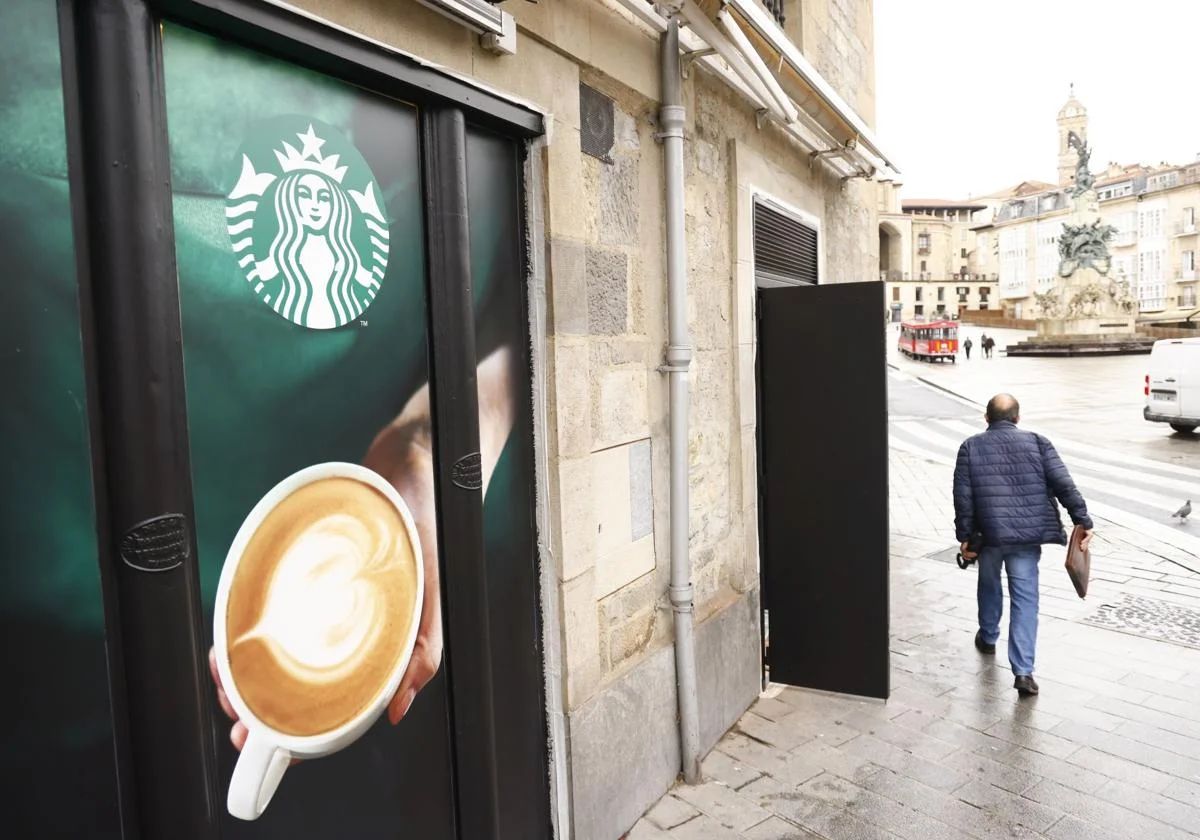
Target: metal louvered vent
{"x": 595, "y": 123}
{"x": 785, "y": 249}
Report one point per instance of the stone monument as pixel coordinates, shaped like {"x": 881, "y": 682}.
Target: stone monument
{"x": 1087, "y": 312}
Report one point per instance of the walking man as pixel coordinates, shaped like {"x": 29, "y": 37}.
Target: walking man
{"x": 967, "y": 345}
{"x": 1005, "y": 483}
{"x": 988, "y": 344}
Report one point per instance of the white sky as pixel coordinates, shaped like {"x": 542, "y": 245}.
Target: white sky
{"x": 967, "y": 91}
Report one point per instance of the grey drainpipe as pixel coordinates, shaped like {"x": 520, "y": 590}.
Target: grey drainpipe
{"x": 678, "y": 357}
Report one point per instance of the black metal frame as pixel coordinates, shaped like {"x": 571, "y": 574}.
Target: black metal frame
{"x": 309, "y": 42}
{"x": 122, "y": 216}
{"x": 454, "y": 399}
{"x": 121, "y": 192}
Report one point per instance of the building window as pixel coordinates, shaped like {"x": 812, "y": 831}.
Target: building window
{"x": 1189, "y": 260}
{"x": 895, "y": 293}
{"x": 941, "y": 293}
{"x": 983, "y": 291}
{"x": 1187, "y": 296}
{"x": 920, "y": 293}
{"x": 964, "y": 253}
{"x": 922, "y": 266}
{"x": 983, "y": 305}
{"x": 941, "y": 309}
{"x": 785, "y": 248}
{"x": 923, "y": 243}
{"x": 918, "y": 309}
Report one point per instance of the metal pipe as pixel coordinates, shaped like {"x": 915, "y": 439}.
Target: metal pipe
{"x": 678, "y": 357}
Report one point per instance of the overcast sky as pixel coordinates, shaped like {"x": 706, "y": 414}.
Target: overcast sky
{"x": 967, "y": 91}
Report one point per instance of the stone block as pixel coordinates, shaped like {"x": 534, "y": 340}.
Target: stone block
{"x": 744, "y": 300}
{"x": 607, "y": 274}
{"x": 641, "y": 492}
{"x": 581, "y": 639}
{"x": 746, "y": 385}
{"x": 568, "y": 288}
{"x": 571, "y": 399}
{"x": 576, "y": 507}
{"x": 617, "y": 210}
{"x": 632, "y": 637}
{"x": 619, "y": 407}
{"x": 567, "y": 211}
{"x": 728, "y": 666}
{"x": 634, "y": 718}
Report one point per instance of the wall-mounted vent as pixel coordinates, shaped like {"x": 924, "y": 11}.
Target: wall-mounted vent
{"x": 785, "y": 249}
{"x": 595, "y": 123}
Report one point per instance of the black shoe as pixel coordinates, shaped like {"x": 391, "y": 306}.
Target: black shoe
{"x": 981, "y": 645}
{"x": 1026, "y": 685}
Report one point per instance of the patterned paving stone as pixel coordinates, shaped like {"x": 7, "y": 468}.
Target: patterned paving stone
{"x": 1151, "y": 619}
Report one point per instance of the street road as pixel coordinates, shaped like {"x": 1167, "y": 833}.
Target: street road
{"x": 1120, "y": 485}
{"x": 1095, "y": 401}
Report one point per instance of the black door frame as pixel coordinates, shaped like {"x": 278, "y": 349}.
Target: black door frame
{"x": 115, "y": 110}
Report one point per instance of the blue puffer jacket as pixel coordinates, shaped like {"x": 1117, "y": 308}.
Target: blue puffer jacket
{"x": 1005, "y": 483}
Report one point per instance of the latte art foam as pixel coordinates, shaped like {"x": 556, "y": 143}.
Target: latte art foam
{"x": 324, "y": 603}
{"x": 321, "y": 606}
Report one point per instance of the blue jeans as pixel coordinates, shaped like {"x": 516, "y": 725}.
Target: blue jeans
{"x": 1021, "y": 565}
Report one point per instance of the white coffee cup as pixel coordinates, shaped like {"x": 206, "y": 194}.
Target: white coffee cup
{"x": 268, "y": 752}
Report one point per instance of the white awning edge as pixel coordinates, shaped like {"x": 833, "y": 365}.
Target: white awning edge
{"x": 765, "y": 25}
{"x": 702, "y": 38}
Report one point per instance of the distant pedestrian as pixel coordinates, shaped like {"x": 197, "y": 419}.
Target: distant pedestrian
{"x": 1005, "y": 484}
{"x": 983, "y": 340}
{"x": 967, "y": 345}
{"x": 988, "y": 344}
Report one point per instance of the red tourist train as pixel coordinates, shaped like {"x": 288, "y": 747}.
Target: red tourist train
{"x": 929, "y": 340}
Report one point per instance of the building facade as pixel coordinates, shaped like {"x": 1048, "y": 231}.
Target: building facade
{"x": 1153, "y": 248}
{"x": 502, "y": 168}
{"x": 998, "y": 251}
{"x": 927, "y": 257}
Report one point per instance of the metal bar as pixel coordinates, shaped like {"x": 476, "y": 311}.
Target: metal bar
{"x": 302, "y": 38}
{"x": 148, "y": 545}
{"x": 455, "y": 403}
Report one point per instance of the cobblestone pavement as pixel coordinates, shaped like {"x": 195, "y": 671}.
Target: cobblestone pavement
{"x": 1110, "y": 749}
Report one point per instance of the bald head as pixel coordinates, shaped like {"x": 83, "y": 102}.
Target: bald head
{"x": 1003, "y": 407}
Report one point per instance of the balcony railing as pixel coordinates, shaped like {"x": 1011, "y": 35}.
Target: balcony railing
{"x": 775, "y": 7}
{"x": 1183, "y": 228}
{"x": 1185, "y": 274}
{"x": 923, "y": 250}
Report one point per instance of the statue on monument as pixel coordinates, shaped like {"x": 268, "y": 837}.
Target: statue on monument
{"x": 1083, "y": 176}
{"x": 1084, "y": 246}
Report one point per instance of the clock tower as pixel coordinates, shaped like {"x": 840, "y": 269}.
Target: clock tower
{"x": 1071, "y": 117}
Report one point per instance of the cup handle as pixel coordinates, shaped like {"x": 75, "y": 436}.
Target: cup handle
{"x": 256, "y": 776}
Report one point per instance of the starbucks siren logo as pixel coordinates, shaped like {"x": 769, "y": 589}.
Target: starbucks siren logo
{"x": 311, "y": 248}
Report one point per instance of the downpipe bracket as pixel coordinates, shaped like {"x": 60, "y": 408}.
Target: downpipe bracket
{"x": 682, "y": 598}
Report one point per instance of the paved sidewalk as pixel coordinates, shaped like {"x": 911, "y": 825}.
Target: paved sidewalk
{"x": 1109, "y": 750}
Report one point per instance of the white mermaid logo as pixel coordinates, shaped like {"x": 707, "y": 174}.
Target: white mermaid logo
{"x": 314, "y": 251}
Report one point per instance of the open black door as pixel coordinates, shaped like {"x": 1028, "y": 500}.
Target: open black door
{"x": 823, "y": 484}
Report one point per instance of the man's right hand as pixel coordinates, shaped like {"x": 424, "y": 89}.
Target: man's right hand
{"x": 1086, "y": 541}
{"x": 966, "y": 551}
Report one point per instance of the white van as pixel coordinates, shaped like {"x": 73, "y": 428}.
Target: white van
{"x": 1173, "y": 384}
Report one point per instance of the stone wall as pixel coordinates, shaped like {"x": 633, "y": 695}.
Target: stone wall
{"x": 607, "y": 445}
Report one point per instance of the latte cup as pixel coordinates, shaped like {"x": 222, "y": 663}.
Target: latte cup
{"x": 268, "y": 751}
